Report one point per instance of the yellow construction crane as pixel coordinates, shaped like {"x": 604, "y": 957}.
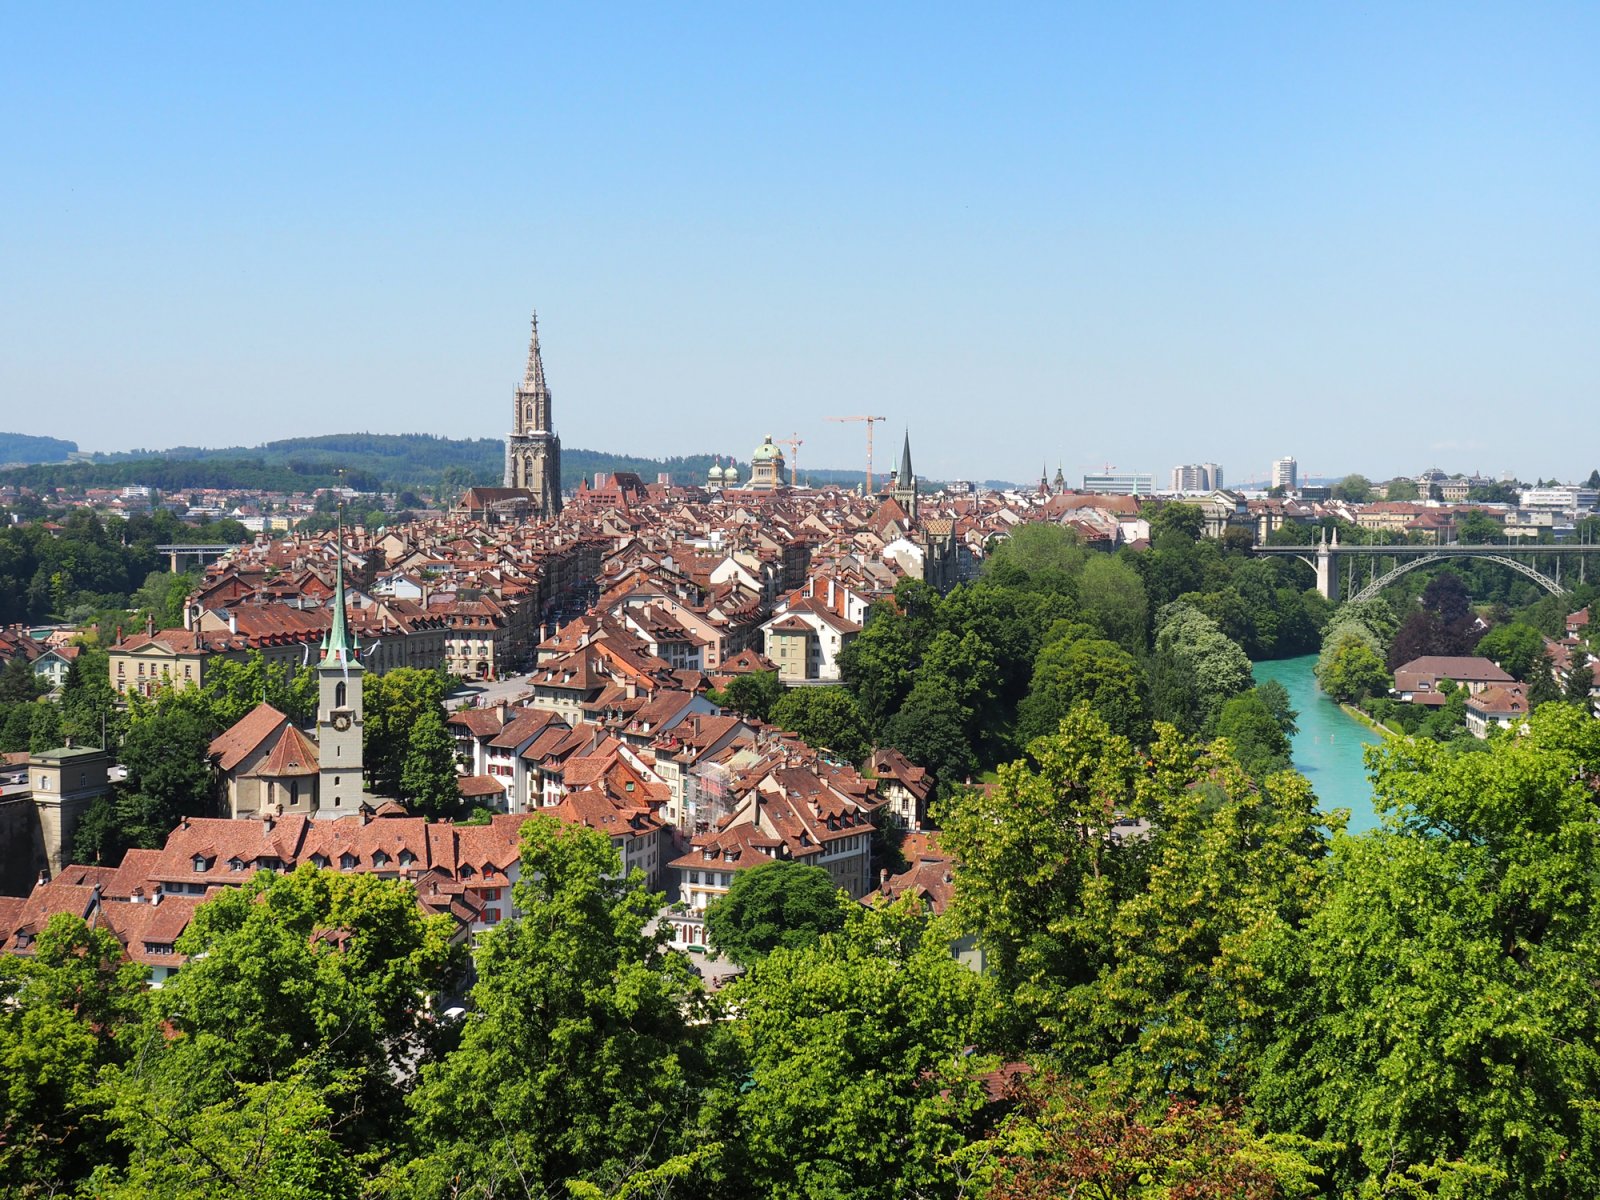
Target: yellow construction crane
{"x": 869, "y": 421}
{"x": 794, "y": 443}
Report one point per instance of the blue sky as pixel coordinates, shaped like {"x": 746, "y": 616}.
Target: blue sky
{"x": 1083, "y": 234}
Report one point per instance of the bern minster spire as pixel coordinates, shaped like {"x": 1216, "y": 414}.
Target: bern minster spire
{"x": 533, "y": 451}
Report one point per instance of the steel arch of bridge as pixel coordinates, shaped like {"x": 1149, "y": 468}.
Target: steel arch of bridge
{"x": 1411, "y": 564}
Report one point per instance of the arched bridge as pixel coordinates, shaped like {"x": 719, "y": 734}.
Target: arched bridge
{"x": 1326, "y": 557}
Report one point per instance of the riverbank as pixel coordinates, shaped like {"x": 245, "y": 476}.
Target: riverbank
{"x": 1329, "y": 746}
{"x": 1372, "y": 723}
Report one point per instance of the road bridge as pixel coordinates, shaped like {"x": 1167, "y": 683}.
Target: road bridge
{"x": 1327, "y": 555}
{"x": 176, "y": 553}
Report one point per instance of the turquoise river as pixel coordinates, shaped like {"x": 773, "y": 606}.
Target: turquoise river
{"x": 1327, "y": 749}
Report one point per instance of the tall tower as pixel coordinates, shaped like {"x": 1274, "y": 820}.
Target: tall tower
{"x": 339, "y": 713}
{"x": 905, "y": 482}
{"x": 533, "y": 451}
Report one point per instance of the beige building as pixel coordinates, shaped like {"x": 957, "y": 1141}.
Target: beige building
{"x": 64, "y": 783}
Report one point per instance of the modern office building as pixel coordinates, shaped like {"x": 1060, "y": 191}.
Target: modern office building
{"x": 1286, "y": 474}
{"x": 1122, "y": 483}
{"x": 1197, "y": 477}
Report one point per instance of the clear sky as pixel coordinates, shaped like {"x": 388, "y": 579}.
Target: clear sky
{"x": 1080, "y": 234}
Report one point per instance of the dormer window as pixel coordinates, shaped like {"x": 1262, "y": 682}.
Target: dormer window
{"x": 236, "y": 864}
{"x": 319, "y": 860}
{"x": 380, "y": 859}
{"x": 407, "y": 858}
{"x": 347, "y": 861}
{"x": 466, "y": 871}
{"x": 201, "y": 862}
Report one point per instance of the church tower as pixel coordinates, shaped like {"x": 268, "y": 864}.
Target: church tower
{"x": 905, "y": 482}
{"x": 340, "y": 789}
{"x": 533, "y": 451}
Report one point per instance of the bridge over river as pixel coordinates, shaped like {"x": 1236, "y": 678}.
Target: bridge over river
{"x": 1327, "y": 556}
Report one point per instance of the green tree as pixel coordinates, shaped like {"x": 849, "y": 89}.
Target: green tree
{"x": 1479, "y": 528}
{"x": 315, "y": 976}
{"x": 1402, "y": 489}
{"x": 1196, "y": 668}
{"x": 169, "y": 774}
{"x": 1254, "y": 734}
{"x": 579, "y": 1059}
{"x": 1435, "y": 1014}
{"x": 752, "y": 695}
{"x": 63, "y": 1009}
{"x": 1174, "y": 520}
{"x": 878, "y": 665}
{"x": 88, "y": 705}
{"x": 931, "y": 730}
{"x": 393, "y": 705}
{"x": 233, "y": 690}
{"x": 1111, "y": 594}
{"x": 1093, "y": 671}
{"x": 1350, "y": 669}
{"x": 780, "y": 904}
{"x": 1580, "y": 681}
{"x": 1276, "y": 697}
{"x": 1514, "y": 647}
{"x": 826, "y": 718}
{"x": 428, "y": 771}
{"x": 860, "y": 1084}
{"x": 264, "y": 1141}
{"x": 1355, "y": 488}
{"x": 163, "y": 596}
{"x": 18, "y": 682}
{"x": 1037, "y": 557}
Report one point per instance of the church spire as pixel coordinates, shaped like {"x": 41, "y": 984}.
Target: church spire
{"x": 905, "y": 462}
{"x": 336, "y": 648}
{"x": 533, "y": 377}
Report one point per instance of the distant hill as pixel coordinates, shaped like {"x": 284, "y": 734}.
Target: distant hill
{"x": 26, "y": 448}
{"x": 371, "y": 462}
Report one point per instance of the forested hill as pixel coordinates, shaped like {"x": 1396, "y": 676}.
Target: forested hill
{"x": 371, "y": 461}
{"x": 25, "y": 448}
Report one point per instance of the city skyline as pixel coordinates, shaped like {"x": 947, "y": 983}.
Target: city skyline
{"x": 1132, "y": 239}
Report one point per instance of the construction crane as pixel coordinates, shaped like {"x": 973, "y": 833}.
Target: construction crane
{"x": 869, "y": 421}
{"x": 794, "y": 443}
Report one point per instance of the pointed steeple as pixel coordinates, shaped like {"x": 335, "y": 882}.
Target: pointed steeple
{"x": 337, "y": 650}
{"x": 905, "y": 463}
{"x": 533, "y": 377}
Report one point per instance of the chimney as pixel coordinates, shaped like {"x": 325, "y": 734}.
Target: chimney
{"x": 149, "y": 624}
{"x": 188, "y": 616}
{"x": 266, "y": 822}
{"x": 233, "y": 621}
{"x": 44, "y": 877}
{"x": 503, "y": 709}
{"x": 883, "y": 880}
{"x": 69, "y": 742}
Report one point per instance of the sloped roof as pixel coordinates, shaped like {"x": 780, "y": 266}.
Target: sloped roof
{"x": 232, "y": 747}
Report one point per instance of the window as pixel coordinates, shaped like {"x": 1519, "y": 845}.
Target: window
{"x": 346, "y": 861}
{"x": 407, "y": 858}
{"x": 491, "y": 893}
{"x": 201, "y": 862}
{"x": 491, "y": 916}
{"x": 235, "y": 864}
{"x": 380, "y": 859}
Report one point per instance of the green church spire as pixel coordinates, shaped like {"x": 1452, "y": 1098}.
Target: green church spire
{"x": 337, "y": 649}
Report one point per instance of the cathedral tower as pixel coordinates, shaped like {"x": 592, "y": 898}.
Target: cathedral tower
{"x": 339, "y": 713}
{"x": 905, "y": 481}
{"x": 533, "y": 451}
